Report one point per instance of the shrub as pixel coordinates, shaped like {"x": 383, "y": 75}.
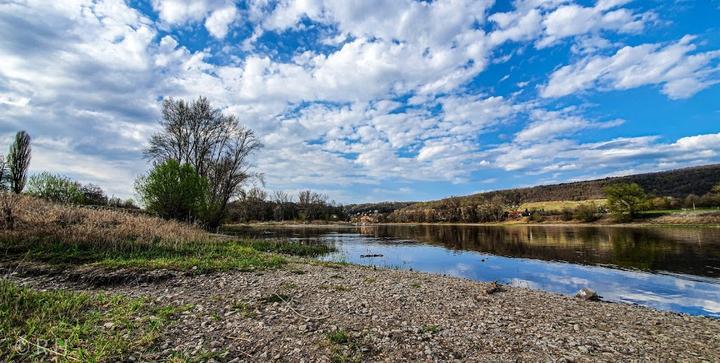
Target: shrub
{"x": 536, "y": 216}
{"x": 55, "y": 188}
{"x": 586, "y": 212}
{"x": 174, "y": 191}
{"x": 93, "y": 195}
{"x": 566, "y": 214}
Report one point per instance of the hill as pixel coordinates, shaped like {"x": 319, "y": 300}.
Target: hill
{"x": 678, "y": 183}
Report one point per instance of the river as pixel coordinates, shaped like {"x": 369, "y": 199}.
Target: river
{"x": 667, "y": 268}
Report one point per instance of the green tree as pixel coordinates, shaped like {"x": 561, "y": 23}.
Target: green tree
{"x": 624, "y": 200}
{"x": 176, "y": 191}
{"x": 217, "y": 146}
{"x": 55, "y": 188}
{"x": 18, "y": 161}
{"x": 4, "y": 174}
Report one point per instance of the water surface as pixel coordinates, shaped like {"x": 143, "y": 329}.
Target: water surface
{"x": 668, "y": 268}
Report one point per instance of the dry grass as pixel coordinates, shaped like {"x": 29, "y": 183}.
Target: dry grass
{"x": 690, "y": 218}
{"x": 71, "y": 236}
{"x": 38, "y": 220}
{"x": 559, "y": 205}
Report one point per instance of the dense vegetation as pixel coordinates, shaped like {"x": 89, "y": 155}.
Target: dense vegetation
{"x": 683, "y": 188}
{"x": 256, "y": 205}
{"x": 678, "y": 183}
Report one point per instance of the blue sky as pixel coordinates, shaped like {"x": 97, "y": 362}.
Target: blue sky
{"x": 372, "y": 100}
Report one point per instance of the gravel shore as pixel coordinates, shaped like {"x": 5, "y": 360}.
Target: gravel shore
{"x": 320, "y": 312}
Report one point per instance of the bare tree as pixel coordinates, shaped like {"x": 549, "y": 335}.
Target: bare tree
{"x": 18, "y": 161}
{"x": 216, "y": 145}
{"x": 282, "y": 209}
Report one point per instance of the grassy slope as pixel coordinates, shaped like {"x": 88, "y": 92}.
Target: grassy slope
{"x": 558, "y": 205}
{"x": 74, "y": 327}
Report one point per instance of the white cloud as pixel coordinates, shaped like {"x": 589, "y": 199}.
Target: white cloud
{"x": 616, "y": 154}
{"x": 86, "y": 78}
{"x": 553, "y": 124}
{"x": 682, "y": 71}
{"x": 547, "y": 22}
{"x": 219, "y": 21}
{"x": 218, "y": 14}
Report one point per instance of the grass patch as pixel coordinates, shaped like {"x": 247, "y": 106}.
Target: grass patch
{"x": 275, "y": 298}
{"x": 244, "y": 309}
{"x": 289, "y": 248}
{"x": 338, "y": 337}
{"x": 345, "y": 347}
{"x": 70, "y": 326}
{"x": 431, "y": 328}
{"x": 199, "y": 257}
{"x": 335, "y": 287}
{"x": 68, "y": 236}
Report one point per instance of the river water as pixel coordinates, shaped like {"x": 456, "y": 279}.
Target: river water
{"x": 667, "y": 268}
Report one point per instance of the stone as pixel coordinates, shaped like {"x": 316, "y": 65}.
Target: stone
{"x": 587, "y": 295}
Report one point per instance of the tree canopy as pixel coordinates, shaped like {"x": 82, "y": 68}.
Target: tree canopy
{"x": 624, "y": 200}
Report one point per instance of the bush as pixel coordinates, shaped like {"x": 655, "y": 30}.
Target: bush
{"x": 93, "y": 195}
{"x": 174, "y": 191}
{"x": 55, "y": 188}
{"x": 586, "y": 212}
{"x": 566, "y": 214}
{"x": 536, "y": 216}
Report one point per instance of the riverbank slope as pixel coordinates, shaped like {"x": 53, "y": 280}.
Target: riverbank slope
{"x": 314, "y": 311}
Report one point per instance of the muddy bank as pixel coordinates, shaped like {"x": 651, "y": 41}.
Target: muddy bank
{"x": 314, "y": 312}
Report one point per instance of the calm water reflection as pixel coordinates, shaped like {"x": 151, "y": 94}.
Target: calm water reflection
{"x": 674, "y": 269}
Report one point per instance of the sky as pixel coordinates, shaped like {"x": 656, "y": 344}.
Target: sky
{"x": 371, "y": 100}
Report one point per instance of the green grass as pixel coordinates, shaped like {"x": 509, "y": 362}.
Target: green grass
{"x": 199, "y": 257}
{"x": 75, "y": 327}
{"x": 346, "y": 348}
{"x": 338, "y": 337}
{"x": 431, "y": 328}
{"x": 289, "y": 248}
{"x": 655, "y": 212}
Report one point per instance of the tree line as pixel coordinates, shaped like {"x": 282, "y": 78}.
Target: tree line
{"x": 624, "y": 201}
{"x": 257, "y": 205}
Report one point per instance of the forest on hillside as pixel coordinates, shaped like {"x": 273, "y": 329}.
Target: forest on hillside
{"x": 681, "y": 188}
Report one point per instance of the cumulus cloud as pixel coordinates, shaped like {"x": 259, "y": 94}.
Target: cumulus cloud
{"x": 680, "y": 70}
{"x": 616, "y": 154}
{"x": 553, "y": 124}
{"x": 377, "y": 91}
{"x": 219, "y": 21}
{"x": 547, "y": 22}
{"x": 218, "y": 14}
